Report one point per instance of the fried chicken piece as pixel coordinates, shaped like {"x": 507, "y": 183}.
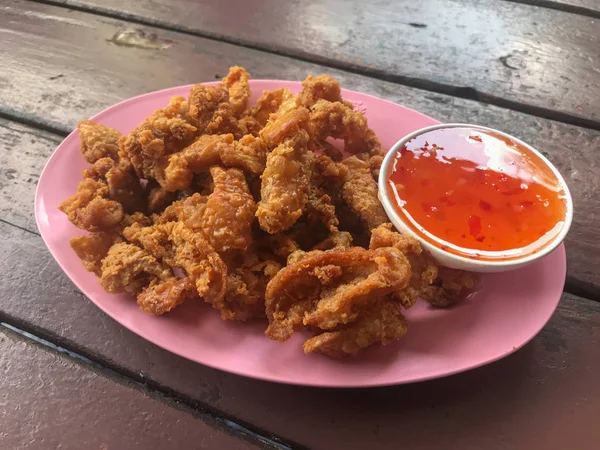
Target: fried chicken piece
{"x": 285, "y": 184}
{"x": 360, "y": 193}
{"x": 162, "y": 297}
{"x": 249, "y": 153}
{"x": 249, "y": 273}
{"x": 176, "y": 245}
{"x": 158, "y": 198}
{"x": 166, "y": 131}
{"x": 340, "y": 121}
{"x": 128, "y": 268}
{"x": 189, "y": 210}
{"x": 322, "y": 87}
{"x": 383, "y": 323}
{"x": 210, "y": 109}
{"x": 89, "y": 209}
{"x": 331, "y": 288}
{"x": 326, "y": 148}
{"x": 282, "y": 126}
{"x": 423, "y": 268}
{"x": 98, "y": 141}
{"x": 449, "y": 287}
{"x": 229, "y": 212}
{"x": 124, "y": 187}
{"x": 238, "y": 88}
{"x": 93, "y": 248}
{"x": 99, "y": 169}
{"x": 269, "y": 102}
{"x": 202, "y": 263}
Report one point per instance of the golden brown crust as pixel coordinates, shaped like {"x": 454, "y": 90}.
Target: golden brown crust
{"x": 258, "y": 211}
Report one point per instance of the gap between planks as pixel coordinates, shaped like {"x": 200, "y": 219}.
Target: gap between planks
{"x": 163, "y": 393}
{"x": 465, "y": 92}
{"x": 564, "y": 7}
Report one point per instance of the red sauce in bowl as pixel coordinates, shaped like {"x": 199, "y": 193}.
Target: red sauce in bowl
{"x": 476, "y": 193}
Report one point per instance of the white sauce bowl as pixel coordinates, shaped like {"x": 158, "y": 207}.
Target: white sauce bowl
{"x": 447, "y": 258}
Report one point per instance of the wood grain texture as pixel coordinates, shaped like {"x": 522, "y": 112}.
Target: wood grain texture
{"x": 76, "y": 78}
{"x": 584, "y": 7}
{"x": 49, "y": 401}
{"x": 546, "y": 395}
{"x": 539, "y": 58}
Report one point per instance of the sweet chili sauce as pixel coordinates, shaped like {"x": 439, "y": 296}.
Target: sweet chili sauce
{"x": 476, "y": 193}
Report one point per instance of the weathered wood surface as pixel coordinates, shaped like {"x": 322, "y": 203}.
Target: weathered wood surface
{"x": 546, "y": 395}
{"x": 75, "y": 78}
{"x": 506, "y": 53}
{"x": 49, "y": 401}
{"x": 584, "y": 7}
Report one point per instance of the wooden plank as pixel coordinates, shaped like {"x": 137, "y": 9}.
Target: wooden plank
{"x": 546, "y": 395}
{"x": 97, "y": 74}
{"x": 585, "y": 7}
{"x": 51, "y": 401}
{"x": 506, "y": 53}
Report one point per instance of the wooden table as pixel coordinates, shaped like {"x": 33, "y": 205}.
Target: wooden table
{"x": 71, "y": 376}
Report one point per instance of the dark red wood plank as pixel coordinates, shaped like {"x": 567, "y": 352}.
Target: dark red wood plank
{"x": 77, "y": 73}
{"x": 49, "y": 401}
{"x": 539, "y": 58}
{"x": 546, "y": 395}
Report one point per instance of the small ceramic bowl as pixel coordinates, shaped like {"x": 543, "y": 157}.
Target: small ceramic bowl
{"x": 453, "y": 260}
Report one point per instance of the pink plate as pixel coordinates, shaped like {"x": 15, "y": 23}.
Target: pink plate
{"x": 510, "y": 309}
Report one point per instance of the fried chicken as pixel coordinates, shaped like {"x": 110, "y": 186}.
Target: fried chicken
{"x": 166, "y": 131}
{"x": 331, "y": 288}
{"x": 98, "y": 141}
{"x": 322, "y": 87}
{"x": 176, "y": 245}
{"x": 93, "y": 248}
{"x": 90, "y": 209}
{"x": 360, "y": 193}
{"x": 269, "y": 102}
{"x": 340, "y": 121}
{"x": 236, "y": 82}
{"x": 159, "y": 298}
{"x": 249, "y": 154}
{"x": 229, "y": 212}
{"x": 258, "y": 211}
{"x": 127, "y": 268}
{"x": 285, "y": 184}
{"x": 383, "y": 323}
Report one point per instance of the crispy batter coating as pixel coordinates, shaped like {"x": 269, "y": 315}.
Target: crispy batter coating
{"x": 99, "y": 169}
{"x": 238, "y": 89}
{"x": 285, "y": 184}
{"x": 229, "y": 212}
{"x": 127, "y": 268}
{"x": 90, "y": 210}
{"x": 98, "y": 141}
{"x": 384, "y": 323}
{"x": 283, "y": 126}
{"x": 269, "y": 102}
{"x": 166, "y": 131}
{"x": 360, "y": 193}
{"x": 258, "y": 211}
{"x": 331, "y": 288}
{"x": 189, "y": 210}
{"x": 340, "y": 121}
{"x": 178, "y": 246}
{"x": 249, "y": 153}
{"x": 160, "y": 298}
{"x": 93, "y": 248}
{"x": 322, "y": 87}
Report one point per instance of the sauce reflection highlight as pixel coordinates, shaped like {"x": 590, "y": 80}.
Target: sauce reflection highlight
{"x": 476, "y": 193}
